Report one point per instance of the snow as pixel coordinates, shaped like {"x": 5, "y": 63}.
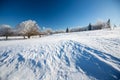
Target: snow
{"x": 88, "y": 55}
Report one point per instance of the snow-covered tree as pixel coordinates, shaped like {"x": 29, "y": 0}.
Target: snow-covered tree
{"x": 28, "y": 28}
{"x": 101, "y": 25}
{"x": 48, "y": 31}
{"x": 78, "y": 29}
{"x": 58, "y": 31}
{"x": 5, "y": 30}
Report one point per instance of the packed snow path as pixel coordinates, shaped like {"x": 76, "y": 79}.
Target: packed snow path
{"x": 74, "y": 56}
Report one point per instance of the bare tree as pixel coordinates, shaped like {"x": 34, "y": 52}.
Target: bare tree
{"x": 5, "y": 30}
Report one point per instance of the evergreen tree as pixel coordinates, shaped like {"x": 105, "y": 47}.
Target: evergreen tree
{"x": 67, "y": 30}
{"x": 108, "y": 23}
{"x": 89, "y": 26}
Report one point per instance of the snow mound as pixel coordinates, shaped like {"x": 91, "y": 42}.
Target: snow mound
{"x": 74, "y": 56}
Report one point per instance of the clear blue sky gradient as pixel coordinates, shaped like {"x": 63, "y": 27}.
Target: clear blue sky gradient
{"x": 59, "y": 14}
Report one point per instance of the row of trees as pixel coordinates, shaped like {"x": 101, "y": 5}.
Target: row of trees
{"x": 30, "y": 28}
{"x": 26, "y": 28}
{"x": 97, "y": 26}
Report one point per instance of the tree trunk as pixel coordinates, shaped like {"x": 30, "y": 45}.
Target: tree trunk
{"x": 24, "y": 37}
{"x": 6, "y": 37}
{"x": 39, "y": 35}
{"x": 29, "y": 36}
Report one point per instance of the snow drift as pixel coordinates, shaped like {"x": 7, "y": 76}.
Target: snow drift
{"x": 87, "y": 55}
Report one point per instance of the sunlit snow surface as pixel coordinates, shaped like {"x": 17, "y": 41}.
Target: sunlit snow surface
{"x": 90, "y": 55}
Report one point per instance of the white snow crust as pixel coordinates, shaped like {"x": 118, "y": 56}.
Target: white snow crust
{"x": 88, "y": 55}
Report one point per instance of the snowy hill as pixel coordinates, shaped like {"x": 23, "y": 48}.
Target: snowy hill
{"x": 89, "y": 55}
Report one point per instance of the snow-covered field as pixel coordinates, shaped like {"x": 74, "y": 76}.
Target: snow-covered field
{"x": 89, "y": 55}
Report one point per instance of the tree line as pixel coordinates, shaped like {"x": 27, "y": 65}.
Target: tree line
{"x": 99, "y": 25}
{"x": 30, "y": 28}
{"x": 26, "y": 28}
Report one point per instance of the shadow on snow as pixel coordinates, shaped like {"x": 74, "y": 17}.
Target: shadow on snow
{"x": 94, "y": 67}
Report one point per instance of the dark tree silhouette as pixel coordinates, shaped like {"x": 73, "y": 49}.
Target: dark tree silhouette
{"x": 89, "y": 26}
{"x": 67, "y": 30}
{"x": 108, "y": 23}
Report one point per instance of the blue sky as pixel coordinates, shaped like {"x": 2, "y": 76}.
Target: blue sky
{"x": 59, "y": 14}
